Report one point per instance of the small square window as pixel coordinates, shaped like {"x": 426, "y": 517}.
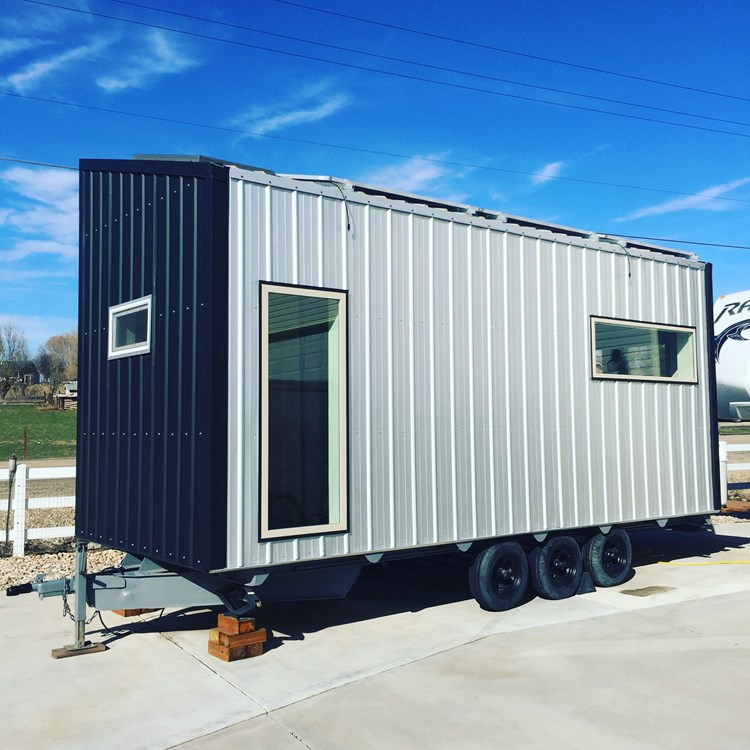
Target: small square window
{"x": 130, "y": 328}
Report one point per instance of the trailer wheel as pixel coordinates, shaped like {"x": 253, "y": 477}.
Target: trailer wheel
{"x": 499, "y": 577}
{"x": 556, "y": 568}
{"x": 608, "y": 557}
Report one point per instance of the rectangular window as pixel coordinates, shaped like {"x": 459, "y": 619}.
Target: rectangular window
{"x": 303, "y": 411}
{"x": 626, "y": 350}
{"x": 130, "y": 328}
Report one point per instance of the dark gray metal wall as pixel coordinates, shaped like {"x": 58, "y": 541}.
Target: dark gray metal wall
{"x": 152, "y": 428}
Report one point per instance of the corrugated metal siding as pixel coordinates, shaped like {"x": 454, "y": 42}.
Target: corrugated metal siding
{"x": 472, "y": 409}
{"x": 151, "y": 428}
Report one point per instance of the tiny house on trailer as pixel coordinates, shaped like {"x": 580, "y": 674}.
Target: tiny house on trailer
{"x": 284, "y": 378}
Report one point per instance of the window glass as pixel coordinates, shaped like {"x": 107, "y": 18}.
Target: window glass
{"x": 641, "y": 351}
{"x": 304, "y": 411}
{"x": 130, "y": 328}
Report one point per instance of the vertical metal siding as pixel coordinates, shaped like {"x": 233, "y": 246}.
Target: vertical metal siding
{"x": 472, "y": 408}
{"x": 152, "y": 474}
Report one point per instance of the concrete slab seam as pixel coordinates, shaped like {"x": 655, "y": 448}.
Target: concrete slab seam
{"x": 265, "y": 709}
{"x": 288, "y": 730}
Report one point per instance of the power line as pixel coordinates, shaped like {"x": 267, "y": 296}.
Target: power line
{"x": 37, "y": 163}
{"x": 355, "y": 149}
{"x": 429, "y": 66}
{"x": 506, "y": 51}
{"x": 393, "y": 74}
{"x": 666, "y": 240}
{"x": 671, "y": 241}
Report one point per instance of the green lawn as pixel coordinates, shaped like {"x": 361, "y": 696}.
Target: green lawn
{"x": 51, "y": 433}
{"x": 738, "y": 429}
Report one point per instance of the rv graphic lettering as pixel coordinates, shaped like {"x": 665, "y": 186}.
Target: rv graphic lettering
{"x": 734, "y": 308}
{"x": 736, "y": 330}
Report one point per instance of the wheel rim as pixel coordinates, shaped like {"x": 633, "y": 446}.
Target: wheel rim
{"x": 505, "y": 576}
{"x": 562, "y": 567}
{"x": 614, "y": 557}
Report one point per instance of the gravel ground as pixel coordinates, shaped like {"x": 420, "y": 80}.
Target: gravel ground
{"x": 732, "y": 517}
{"x": 15, "y": 570}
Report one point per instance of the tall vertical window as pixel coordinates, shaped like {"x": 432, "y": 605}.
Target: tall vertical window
{"x": 130, "y": 328}
{"x": 303, "y": 411}
{"x": 627, "y": 350}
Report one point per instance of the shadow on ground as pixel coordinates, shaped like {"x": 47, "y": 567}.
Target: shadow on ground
{"x": 393, "y": 588}
{"x": 666, "y": 545}
{"x": 381, "y": 590}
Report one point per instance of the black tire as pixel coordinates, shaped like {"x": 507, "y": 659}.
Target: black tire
{"x": 499, "y": 577}
{"x": 556, "y": 568}
{"x": 608, "y": 558}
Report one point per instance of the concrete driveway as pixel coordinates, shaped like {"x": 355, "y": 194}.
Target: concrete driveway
{"x": 410, "y": 661}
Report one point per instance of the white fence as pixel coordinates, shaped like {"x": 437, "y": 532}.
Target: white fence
{"x": 726, "y": 467}
{"x": 21, "y": 503}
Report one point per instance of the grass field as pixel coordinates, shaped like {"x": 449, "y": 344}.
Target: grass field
{"x": 734, "y": 429}
{"x": 51, "y": 433}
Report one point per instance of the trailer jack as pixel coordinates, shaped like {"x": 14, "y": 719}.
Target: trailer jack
{"x": 63, "y": 587}
{"x": 139, "y": 583}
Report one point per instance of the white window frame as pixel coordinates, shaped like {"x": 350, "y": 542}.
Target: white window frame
{"x": 126, "y": 308}
{"x": 654, "y": 327}
{"x": 342, "y": 479}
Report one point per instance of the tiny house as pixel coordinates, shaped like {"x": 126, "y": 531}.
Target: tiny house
{"x": 288, "y": 374}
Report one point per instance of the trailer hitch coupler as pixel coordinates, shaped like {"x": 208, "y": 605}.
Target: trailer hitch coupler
{"x": 21, "y": 588}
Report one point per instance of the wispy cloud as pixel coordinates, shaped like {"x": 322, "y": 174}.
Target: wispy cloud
{"x": 30, "y": 76}
{"x": 52, "y": 186}
{"x": 25, "y": 19}
{"x": 547, "y": 173}
{"x": 312, "y": 104}
{"x": 706, "y": 200}
{"x": 45, "y": 214}
{"x": 10, "y": 47}
{"x": 158, "y": 57}
{"x": 26, "y": 248}
{"x": 413, "y": 176}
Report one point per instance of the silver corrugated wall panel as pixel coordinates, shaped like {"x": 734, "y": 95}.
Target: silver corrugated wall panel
{"x": 472, "y": 411}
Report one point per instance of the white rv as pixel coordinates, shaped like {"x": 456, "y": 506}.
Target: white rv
{"x": 732, "y": 355}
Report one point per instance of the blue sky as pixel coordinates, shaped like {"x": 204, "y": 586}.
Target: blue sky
{"x": 491, "y": 128}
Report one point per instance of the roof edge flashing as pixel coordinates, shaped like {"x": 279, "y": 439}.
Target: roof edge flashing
{"x": 199, "y": 158}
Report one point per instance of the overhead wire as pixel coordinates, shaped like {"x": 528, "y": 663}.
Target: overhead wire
{"x": 667, "y": 240}
{"x": 37, "y": 163}
{"x": 390, "y": 73}
{"x": 493, "y": 48}
{"x": 429, "y": 66}
{"x": 359, "y": 149}
{"x": 354, "y": 149}
{"x": 683, "y": 242}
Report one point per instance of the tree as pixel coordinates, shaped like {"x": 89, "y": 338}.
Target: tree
{"x": 57, "y": 360}
{"x": 14, "y": 356}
